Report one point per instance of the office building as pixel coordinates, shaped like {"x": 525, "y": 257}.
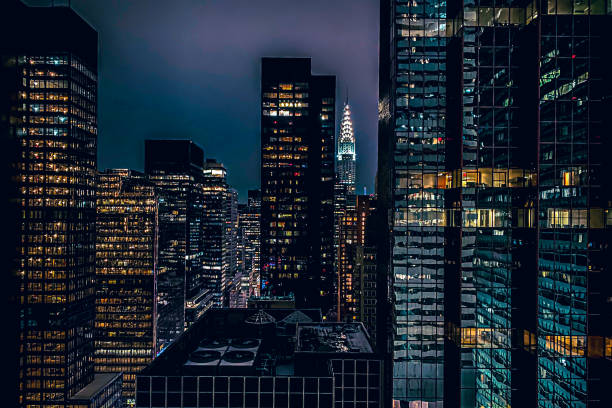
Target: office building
{"x": 351, "y": 283}
{"x": 125, "y": 331}
{"x": 345, "y": 260}
{"x": 175, "y": 168}
{"x": 48, "y": 121}
{"x": 413, "y": 101}
{"x": 216, "y": 230}
{"x": 231, "y": 234}
{"x": 237, "y": 291}
{"x": 297, "y": 181}
{"x": 365, "y": 289}
{"x": 271, "y": 358}
{"x": 489, "y": 125}
{"x": 240, "y": 239}
{"x": 249, "y": 221}
{"x": 364, "y": 267}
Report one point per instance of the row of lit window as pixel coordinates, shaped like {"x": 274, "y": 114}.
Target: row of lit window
{"x": 285, "y": 104}
{"x": 50, "y": 83}
{"x": 42, "y": 96}
{"x": 113, "y": 362}
{"x": 41, "y": 179}
{"x": 578, "y": 218}
{"x": 47, "y": 299}
{"x": 48, "y": 349}
{"x": 46, "y": 131}
{"x": 284, "y": 112}
{"x": 271, "y": 147}
{"x": 285, "y": 95}
{"x": 483, "y": 177}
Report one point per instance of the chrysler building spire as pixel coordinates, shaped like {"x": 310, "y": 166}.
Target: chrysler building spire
{"x": 346, "y": 150}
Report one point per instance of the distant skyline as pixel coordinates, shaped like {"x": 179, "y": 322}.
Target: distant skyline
{"x": 191, "y": 69}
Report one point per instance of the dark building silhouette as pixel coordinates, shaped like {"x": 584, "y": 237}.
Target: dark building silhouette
{"x": 297, "y": 181}
{"x": 125, "y": 333}
{"x": 491, "y": 176}
{"x": 175, "y": 168}
{"x": 271, "y": 358}
{"x": 48, "y": 121}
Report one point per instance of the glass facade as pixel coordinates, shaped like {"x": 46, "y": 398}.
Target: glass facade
{"x": 352, "y": 383}
{"x": 417, "y": 104}
{"x": 512, "y": 194}
{"x": 125, "y": 332}
{"x": 574, "y": 198}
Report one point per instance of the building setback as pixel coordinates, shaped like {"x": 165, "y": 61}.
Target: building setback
{"x": 175, "y": 168}
{"x": 125, "y": 333}
{"x": 48, "y": 122}
{"x": 492, "y": 173}
{"x": 297, "y": 179}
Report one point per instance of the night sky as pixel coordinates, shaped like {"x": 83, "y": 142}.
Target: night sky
{"x": 190, "y": 69}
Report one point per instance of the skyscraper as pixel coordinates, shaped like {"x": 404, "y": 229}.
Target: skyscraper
{"x": 411, "y": 154}
{"x": 346, "y": 151}
{"x": 488, "y": 130}
{"x": 250, "y": 227}
{"x": 48, "y": 122}
{"x": 351, "y": 283}
{"x": 297, "y": 181}
{"x": 125, "y": 334}
{"x": 216, "y": 230}
{"x": 175, "y": 167}
{"x": 231, "y": 234}
{"x": 571, "y": 65}
{"x": 345, "y": 260}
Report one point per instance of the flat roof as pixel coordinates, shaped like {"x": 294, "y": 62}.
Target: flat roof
{"x": 332, "y": 338}
{"x": 99, "y": 383}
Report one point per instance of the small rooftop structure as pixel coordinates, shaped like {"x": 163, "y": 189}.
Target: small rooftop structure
{"x": 260, "y": 317}
{"x": 332, "y": 338}
{"x": 297, "y": 317}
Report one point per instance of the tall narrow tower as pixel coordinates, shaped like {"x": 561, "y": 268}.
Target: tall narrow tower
{"x": 346, "y": 151}
{"x": 297, "y": 181}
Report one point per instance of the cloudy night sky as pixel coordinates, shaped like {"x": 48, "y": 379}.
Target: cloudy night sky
{"x": 191, "y": 69}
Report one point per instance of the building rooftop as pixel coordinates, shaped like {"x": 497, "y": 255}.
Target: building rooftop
{"x": 99, "y": 384}
{"x": 256, "y": 342}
